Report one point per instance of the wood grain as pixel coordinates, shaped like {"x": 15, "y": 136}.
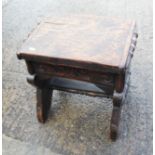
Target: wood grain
{"x": 97, "y": 40}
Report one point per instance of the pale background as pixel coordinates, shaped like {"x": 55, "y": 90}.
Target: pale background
{"x": 77, "y": 125}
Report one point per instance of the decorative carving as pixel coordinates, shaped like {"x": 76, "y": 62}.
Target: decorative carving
{"x": 118, "y": 100}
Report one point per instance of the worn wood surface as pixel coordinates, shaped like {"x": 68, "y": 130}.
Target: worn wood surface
{"x": 76, "y": 118}
{"x": 74, "y": 73}
{"x": 89, "y": 42}
{"x": 96, "y": 50}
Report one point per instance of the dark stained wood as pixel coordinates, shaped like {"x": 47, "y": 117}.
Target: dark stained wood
{"x": 81, "y": 42}
{"x": 120, "y": 91}
{"x": 43, "y": 103}
{"x": 115, "y": 122}
{"x": 72, "y": 73}
{"x": 30, "y": 68}
{"x": 88, "y": 55}
{"x": 43, "y": 95}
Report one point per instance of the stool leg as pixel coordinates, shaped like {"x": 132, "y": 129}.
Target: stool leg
{"x": 118, "y": 97}
{"x": 44, "y": 96}
{"x": 116, "y": 112}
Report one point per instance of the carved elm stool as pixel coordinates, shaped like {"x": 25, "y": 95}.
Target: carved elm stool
{"x": 89, "y": 55}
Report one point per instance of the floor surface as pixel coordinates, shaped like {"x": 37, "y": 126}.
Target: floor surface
{"x": 78, "y": 124}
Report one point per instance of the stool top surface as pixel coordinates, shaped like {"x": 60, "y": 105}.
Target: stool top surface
{"x": 89, "y": 39}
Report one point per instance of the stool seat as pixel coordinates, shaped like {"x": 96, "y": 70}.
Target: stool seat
{"x": 87, "y": 42}
{"x": 81, "y": 54}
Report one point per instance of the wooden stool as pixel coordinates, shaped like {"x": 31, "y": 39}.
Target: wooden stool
{"x": 80, "y": 54}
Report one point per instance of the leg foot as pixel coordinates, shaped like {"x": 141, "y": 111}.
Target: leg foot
{"x": 115, "y": 122}
{"x": 117, "y": 104}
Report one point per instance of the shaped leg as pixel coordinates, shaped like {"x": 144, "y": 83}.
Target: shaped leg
{"x": 117, "y": 104}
